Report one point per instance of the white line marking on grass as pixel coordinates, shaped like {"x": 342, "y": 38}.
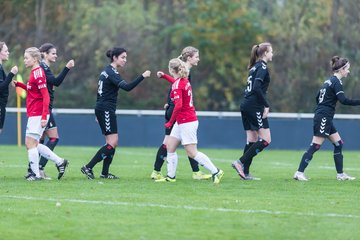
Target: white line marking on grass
{"x": 332, "y": 167}
{"x": 186, "y": 207}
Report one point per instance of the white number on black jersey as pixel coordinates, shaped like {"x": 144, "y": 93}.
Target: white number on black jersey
{"x": 249, "y": 84}
{"x": 100, "y": 87}
{"x": 322, "y": 94}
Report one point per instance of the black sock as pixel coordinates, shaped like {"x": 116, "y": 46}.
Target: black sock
{"x": 194, "y": 164}
{"x": 103, "y": 152}
{"x": 248, "y": 163}
{"x": 107, "y": 161}
{"x": 253, "y": 150}
{"x": 50, "y": 144}
{"x": 308, "y": 155}
{"x": 29, "y": 169}
{"x": 161, "y": 154}
{"x": 338, "y": 157}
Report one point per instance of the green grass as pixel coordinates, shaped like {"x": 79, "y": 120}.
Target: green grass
{"x": 135, "y": 207}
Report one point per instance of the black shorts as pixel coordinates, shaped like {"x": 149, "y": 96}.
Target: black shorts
{"x": 168, "y": 112}
{"x": 323, "y": 126}
{"x": 51, "y": 123}
{"x": 107, "y": 121}
{"x": 2, "y": 115}
{"x": 252, "y": 120}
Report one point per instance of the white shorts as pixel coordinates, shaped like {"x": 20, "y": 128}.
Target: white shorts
{"x": 33, "y": 127}
{"x": 185, "y": 132}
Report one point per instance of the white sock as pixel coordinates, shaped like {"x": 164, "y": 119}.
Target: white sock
{"x": 48, "y": 154}
{"x": 33, "y": 155}
{"x": 172, "y": 160}
{"x": 203, "y": 160}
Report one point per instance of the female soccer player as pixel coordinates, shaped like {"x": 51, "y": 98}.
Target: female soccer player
{"x": 190, "y": 56}
{"x": 49, "y": 56}
{"x": 109, "y": 83}
{"x": 255, "y": 108}
{"x": 184, "y": 130}
{"x": 4, "y": 82}
{"x": 330, "y": 92}
{"x": 37, "y": 108}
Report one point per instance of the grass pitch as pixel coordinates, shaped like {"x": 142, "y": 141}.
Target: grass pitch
{"x": 135, "y": 207}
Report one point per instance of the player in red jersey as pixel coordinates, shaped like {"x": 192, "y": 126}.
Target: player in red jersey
{"x": 190, "y": 56}
{"x": 37, "y": 109}
{"x": 185, "y": 129}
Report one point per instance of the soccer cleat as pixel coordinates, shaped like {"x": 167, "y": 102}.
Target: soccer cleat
{"x": 61, "y": 168}
{"x": 166, "y": 179}
{"x": 344, "y": 177}
{"x": 32, "y": 177}
{"x": 44, "y": 176}
{"x": 239, "y": 167}
{"x": 217, "y": 176}
{"x": 109, "y": 176}
{"x": 251, "y": 177}
{"x": 300, "y": 176}
{"x": 88, "y": 172}
{"x": 199, "y": 175}
{"x": 155, "y": 175}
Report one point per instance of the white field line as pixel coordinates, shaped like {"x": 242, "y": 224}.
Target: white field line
{"x": 183, "y": 207}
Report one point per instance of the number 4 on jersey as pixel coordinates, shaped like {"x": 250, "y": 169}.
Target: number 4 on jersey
{"x": 100, "y": 87}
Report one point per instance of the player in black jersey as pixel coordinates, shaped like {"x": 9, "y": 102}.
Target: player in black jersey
{"x": 49, "y": 56}
{"x": 108, "y": 85}
{"x": 4, "y": 82}
{"x": 326, "y": 99}
{"x": 190, "y": 56}
{"x": 255, "y": 108}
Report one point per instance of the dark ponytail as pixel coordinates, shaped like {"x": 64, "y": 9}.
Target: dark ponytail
{"x": 337, "y": 63}
{"x": 257, "y": 52}
{"x": 45, "y": 48}
{"x": 114, "y": 52}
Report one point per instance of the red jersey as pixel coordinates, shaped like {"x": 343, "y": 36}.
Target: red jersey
{"x": 181, "y": 94}
{"x": 37, "y": 100}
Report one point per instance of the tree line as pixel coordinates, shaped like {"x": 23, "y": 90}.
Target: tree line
{"x": 305, "y": 35}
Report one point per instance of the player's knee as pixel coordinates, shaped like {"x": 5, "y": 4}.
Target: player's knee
{"x": 191, "y": 153}
{"x": 113, "y": 143}
{"x": 338, "y": 146}
{"x": 30, "y": 142}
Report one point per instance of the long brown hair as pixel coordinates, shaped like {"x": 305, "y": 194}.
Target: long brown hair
{"x": 337, "y": 63}
{"x": 188, "y": 51}
{"x": 257, "y": 52}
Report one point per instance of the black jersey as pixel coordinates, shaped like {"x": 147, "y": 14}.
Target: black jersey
{"x": 109, "y": 83}
{"x": 53, "y": 81}
{"x": 257, "y": 84}
{"x": 4, "y": 85}
{"x": 327, "y": 97}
